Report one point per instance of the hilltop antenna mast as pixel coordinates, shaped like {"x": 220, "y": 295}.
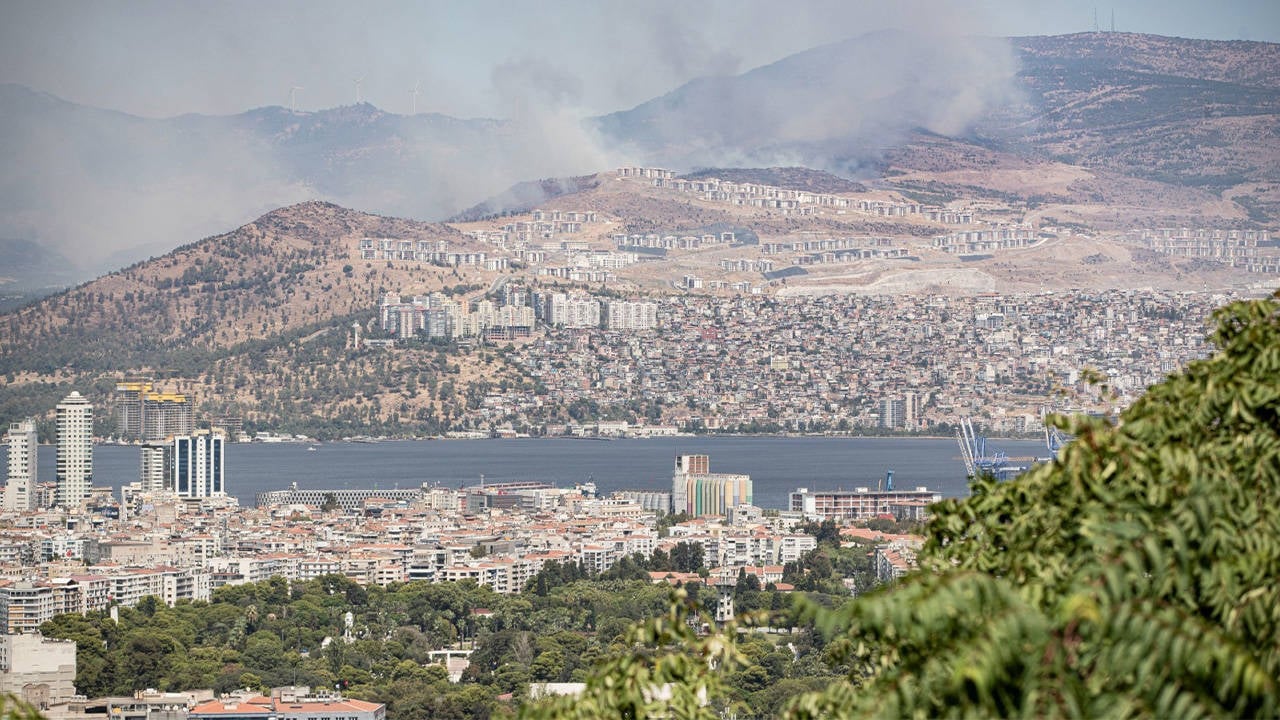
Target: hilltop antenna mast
{"x": 293, "y": 97}
{"x": 1113, "y": 19}
{"x": 357, "y": 82}
{"x": 1095, "y": 19}
{"x": 417, "y": 90}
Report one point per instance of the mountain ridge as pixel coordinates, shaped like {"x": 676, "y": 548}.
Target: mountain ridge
{"x": 82, "y": 177}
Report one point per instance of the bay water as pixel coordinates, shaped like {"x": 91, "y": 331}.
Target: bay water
{"x": 777, "y": 465}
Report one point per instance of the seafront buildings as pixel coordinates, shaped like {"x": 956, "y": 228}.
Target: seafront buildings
{"x": 863, "y": 503}
{"x": 74, "y": 425}
{"x": 852, "y": 363}
{"x": 821, "y": 364}
{"x": 497, "y": 534}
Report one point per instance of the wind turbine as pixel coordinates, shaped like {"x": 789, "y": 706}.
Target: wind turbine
{"x": 357, "y": 81}
{"x": 417, "y": 90}
{"x": 293, "y": 97}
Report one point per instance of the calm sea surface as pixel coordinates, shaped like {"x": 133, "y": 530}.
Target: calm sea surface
{"x": 777, "y": 465}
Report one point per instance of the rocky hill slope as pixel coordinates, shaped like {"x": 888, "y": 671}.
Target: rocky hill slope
{"x": 287, "y": 270}
{"x": 1192, "y": 112}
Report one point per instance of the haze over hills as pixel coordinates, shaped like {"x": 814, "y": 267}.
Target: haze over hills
{"x": 1194, "y": 113}
{"x": 116, "y": 188}
{"x": 105, "y": 188}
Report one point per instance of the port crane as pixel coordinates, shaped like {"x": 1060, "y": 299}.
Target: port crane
{"x": 978, "y": 459}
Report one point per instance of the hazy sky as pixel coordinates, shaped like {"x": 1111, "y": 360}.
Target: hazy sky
{"x": 167, "y": 57}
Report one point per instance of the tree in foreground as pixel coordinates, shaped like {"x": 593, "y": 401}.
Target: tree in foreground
{"x": 13, "y": 707}
{"x": 1136, "y": 576}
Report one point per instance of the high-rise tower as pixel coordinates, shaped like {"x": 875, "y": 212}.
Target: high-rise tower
{"x": 22, "y": 442}
{"x": 686, "y": 465}
{"x": 151, "y": 475}
{"x": 144, "y": 413}
{"x": 74, "y": 420}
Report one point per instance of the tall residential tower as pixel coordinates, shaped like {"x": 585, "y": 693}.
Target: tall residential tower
{"x": 74, "y": 421}
{"x": 144, "y": 413}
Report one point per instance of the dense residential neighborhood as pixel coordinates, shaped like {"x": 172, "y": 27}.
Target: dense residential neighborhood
{"x": 834, "y": 364}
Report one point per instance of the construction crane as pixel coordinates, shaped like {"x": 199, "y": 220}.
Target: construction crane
{"x": 978, "y": 460}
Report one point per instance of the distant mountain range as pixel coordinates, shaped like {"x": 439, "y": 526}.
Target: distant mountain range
{"x": 102, "y": 189}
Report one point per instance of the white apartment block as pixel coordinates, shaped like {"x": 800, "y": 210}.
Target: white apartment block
{"x": 25, "y": 605}
{"x": 438, "y": 316}
{"x": 573, "y": 311}
{"x": 38, "y": 670}
{"x": 630, "y": 315}
{"x": 74, "y": 421}
{"x": 23, "y": 464}
{"x": 151, "y": 467}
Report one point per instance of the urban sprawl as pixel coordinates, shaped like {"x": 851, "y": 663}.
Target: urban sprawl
{"x": 824, "y": 364}
{"x": 714, "y": 355}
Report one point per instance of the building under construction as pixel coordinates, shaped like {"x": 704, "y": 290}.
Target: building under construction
{"x": 143, "y": 413}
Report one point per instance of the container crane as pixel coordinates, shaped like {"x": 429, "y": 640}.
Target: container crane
{"x": 978, "y": 460}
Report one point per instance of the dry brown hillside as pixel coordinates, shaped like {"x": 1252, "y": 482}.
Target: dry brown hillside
{"x": 287, "y": 270}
